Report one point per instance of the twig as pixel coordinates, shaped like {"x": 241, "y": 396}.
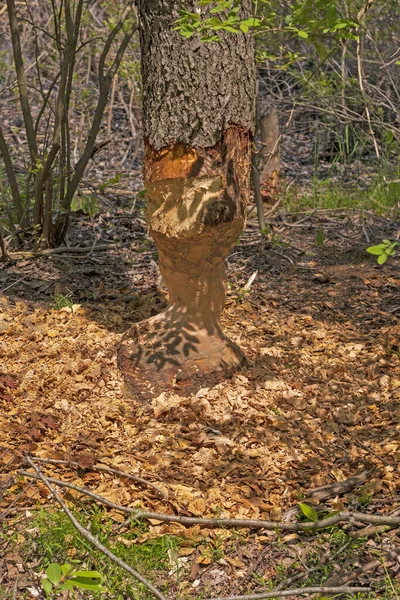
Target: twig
{"x": 9, "y": 508}
{"x": 139, "y": 514}
{"x": 251, "y": 569}
{"x": 339, "y": 487}
{"x": 91, "y": 538}
{"x": 331, "y": 558}
{"x": 54, "y": 461}
{"x": 15, "y": 282}
{"x": 14, "y": 596}
{"x": 274, "y": 207}
{"x": 298, "y": 592}
{"x": 249, "y": 283}
{"x": 369, "y": 566}
{"x": 281, "y": 255}
{"x": 361, "y": 444}
{"x": 302, "y": 220}
{"x": 65, "y": 250}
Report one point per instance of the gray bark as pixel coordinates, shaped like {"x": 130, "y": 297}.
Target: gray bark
{"x": 192, "y": 90}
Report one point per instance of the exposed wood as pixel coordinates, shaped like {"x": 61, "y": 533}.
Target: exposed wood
{"x": 198, "y": 118}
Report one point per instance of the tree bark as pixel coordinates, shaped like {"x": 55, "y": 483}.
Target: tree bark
{"x": 198, "y": 115}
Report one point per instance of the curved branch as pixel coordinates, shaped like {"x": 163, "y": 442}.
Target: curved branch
{"x": 343, "y": 516}
{"x": 91, "y": 538}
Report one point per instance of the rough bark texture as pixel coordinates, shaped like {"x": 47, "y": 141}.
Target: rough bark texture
{"x": 192, "y": 91}
{"x": 198, "y": 119}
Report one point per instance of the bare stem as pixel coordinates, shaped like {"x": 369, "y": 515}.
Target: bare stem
{"x": 91, "y": 538}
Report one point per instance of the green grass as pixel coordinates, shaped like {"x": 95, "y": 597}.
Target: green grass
{"x": 328, "y": 194}
{"x": 49, "y": 536}
{"x": 61, "y": 301}
{"x": 328, "y": 549}
{"x": 55, "y": 539}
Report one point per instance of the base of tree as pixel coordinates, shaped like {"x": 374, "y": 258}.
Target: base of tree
{"x": 169, "y": 352}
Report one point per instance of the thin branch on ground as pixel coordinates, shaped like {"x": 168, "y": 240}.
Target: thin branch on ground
{"x": 103, "y": 469}
{"x": 338, "y": 488}
{"x": 343, "y": 516}
{"x": 358, "y": 442}
{"x": 65, "y": 250}
{"x": 298, "y": 592}
{"x": 91, "y": 538}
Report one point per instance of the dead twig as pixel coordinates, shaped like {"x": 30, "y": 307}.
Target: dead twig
{"x": 358, "y": 442}
{"x": 345, "y": 578}
{"x": 339, "y": 487}
{"x": 65, "y": 250}
{"x": 91, "y": 538}
{"x": 15, "y": 588}
{"x": 103, "y": 469}
{"x": 298, "y": 592}
{"x": 274, "y": 207}
{"x": 343, "y": 516}
{"x": 302, "y": 220}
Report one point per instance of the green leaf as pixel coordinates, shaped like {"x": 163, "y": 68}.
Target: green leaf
{"x": 84, "y": 583}
{"x": 229, "y": 28}
{"x": 210, "y": 38}
{"x": 322, "y": 50}
{"x": 186, "y": 34}
{"x": 377, "y": 250}
{"x": 244, "y": 27}
{"x": 54, "y": 573}
{"x": 66, "y": 568}
{"x": 302, "y": 34}
{"x": 90, "y": 574}
{"x": 308, "y": 511}
{"x": 46, "y": 585}
{"x": 217, "y": 9}
{"x": 89, "y": 205}
{"x": 388, "y": 242}
{"x": 382, "y": 259}
{"x": 252, "y": 22}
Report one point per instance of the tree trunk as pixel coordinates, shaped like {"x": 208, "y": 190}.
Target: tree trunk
{"x": 198, "y": 114}
{"x": 269, "y": 155}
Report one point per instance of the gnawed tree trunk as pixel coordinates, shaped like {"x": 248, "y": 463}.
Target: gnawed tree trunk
{"x": 198, "y": 112}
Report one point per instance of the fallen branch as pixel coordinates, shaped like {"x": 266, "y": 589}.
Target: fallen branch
{"x": 91, "y": 538}
{"x": 357, "y": 441}
{"x": 300, "y": 221}
{"x": 345, "y": 578}
{"x": 274, "y": 207}
{"x": 103, "y": 469}
{"x": 339, "y": 488}
{"x": 65, "y": 250}
{"x": 343, "y": 516}
{"x": 298, "y": 592}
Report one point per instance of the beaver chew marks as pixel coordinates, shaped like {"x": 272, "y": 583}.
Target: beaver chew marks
{"x": 196, "y": 211}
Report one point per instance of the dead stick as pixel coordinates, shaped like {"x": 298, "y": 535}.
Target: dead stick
{"x": 297, "y": 592}
{"x": 357, "y": 441}
{"x": 54, "y": 461}
{"x": 65, "y": 250}
{"x": 91, "y": 538}
{"x": 138, "y": 514}
{"x": 339, "y": 487}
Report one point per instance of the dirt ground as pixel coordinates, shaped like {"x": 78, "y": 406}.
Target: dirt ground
{"x": 318, "y": 403}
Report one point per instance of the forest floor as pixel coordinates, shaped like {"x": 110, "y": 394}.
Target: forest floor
{"x": 318, "y": 403}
